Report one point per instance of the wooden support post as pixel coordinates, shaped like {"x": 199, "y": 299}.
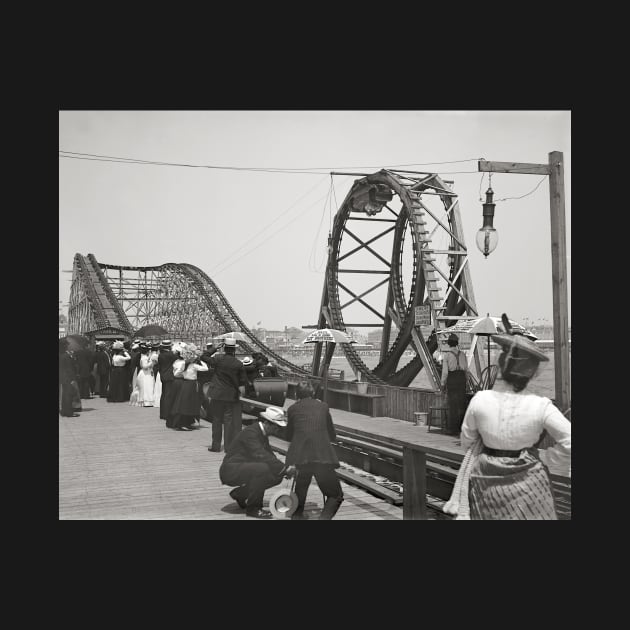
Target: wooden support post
{"x": 555, "y": 170}
{"x": 559, "y": 281}
{"x": 414, "y": 485}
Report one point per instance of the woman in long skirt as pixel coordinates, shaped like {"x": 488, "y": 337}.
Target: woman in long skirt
{"x": 508, "y": 476}
{"x": 187, "y": 405}
{"x": 119, "y": 380}
{"x": 145, "y": 383}
{"x": 157, "y": 389}
{"x": 166, "y": 409}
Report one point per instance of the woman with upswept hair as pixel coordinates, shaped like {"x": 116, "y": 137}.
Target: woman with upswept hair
{"x": 504, "y": 476}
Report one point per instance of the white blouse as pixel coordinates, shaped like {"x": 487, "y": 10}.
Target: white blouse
{"x": 119, "y": 360}
{"x": 147, "y": 362}
{"x": 509, "y": 420}
{"x": 188, "y": 373}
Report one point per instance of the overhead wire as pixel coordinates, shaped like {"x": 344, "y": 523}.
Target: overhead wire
{"x": 312, "y": 260}
{"x": 257, "y": 234}
{"x": 302, "y": 170}
{"x": 529, "y": 193}
{"x": 273, "y": 234}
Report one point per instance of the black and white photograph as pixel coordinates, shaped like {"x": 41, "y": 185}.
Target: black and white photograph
{"x": 314, "y": 314}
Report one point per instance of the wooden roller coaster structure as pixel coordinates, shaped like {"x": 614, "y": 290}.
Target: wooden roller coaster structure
{"x": 114, "y": 300}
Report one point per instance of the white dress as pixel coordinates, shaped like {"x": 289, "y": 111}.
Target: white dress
{"x": 145, "y": 382}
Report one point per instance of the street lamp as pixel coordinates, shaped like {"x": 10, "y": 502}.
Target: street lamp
{"x": 487, "y": 237}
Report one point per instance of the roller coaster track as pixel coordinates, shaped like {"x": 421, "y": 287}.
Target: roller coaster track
{"x": 178, "y": 297}
{"x": 426, "y": 275}
{"x": 186, "y": 301}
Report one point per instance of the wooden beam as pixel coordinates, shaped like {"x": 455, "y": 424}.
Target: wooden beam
{"x": 559, "y": 281}
{"x": 414, "y": 485}
{"x": 513, "y": 167}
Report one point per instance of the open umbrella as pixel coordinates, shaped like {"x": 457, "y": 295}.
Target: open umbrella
{"x": 331, "y": 336}
{"x": 238, "y": 336}
{"x": 328, "y": 334}
{"x": 486, "y": 326}
{"x": 151, "y": 330}
{"x": 78, "y": 341}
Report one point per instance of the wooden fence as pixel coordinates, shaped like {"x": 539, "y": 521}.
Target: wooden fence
{"x": 400, "y": 402}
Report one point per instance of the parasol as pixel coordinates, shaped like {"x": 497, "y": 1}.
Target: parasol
{"x": 331, "y": 336}
{"x": 328, "y": 334}
{"x": 78, "y": 341}
{"x": 238, "y": 336}
{"x": 486, "y": 326}
{"x": 151, "y": 330}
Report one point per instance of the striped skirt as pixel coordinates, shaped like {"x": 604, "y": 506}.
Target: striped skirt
{"x": 511, "y": 488}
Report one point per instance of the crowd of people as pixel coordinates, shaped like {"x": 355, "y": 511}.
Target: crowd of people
{"x": 186, "y": 384}
{"x": 504, "y": 476}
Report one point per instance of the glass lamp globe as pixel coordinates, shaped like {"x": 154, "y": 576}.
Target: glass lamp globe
{"x": 487, "y": 239}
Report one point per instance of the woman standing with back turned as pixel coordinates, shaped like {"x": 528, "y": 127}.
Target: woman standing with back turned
{"x": 507, "y": 478}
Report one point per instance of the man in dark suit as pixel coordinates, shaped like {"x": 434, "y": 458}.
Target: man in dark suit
{"x": 206, "y": 377}
{"x": 251, "y": 465}
{"x": 67, "y": 379}
{"x": 85, "y": 362}
{"x": 310, "y": 430}
{"x": 103, "y": 367}
{"x": 166, "y": 358}
{"x": 226, "y": 387}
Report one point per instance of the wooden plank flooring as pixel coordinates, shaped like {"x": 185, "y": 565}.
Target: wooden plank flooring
{"x": 118, "y": 462}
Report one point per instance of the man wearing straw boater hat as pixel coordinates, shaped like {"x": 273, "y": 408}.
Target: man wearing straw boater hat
{"x": 226, "y": 387}
{"x": 503, "y": 475}
{"x": 252, "y": 466}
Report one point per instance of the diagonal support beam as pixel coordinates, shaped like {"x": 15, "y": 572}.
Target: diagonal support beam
{"x": 365, "y": 244}
{"x": 451, "y": 284}
{"x": 358, "y": 297}
{"x": 376, "y": 286}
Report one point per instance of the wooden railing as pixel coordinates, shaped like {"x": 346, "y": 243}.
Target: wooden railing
{"x": 399, "y": 402}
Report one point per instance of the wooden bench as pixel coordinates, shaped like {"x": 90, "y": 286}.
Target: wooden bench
{"x": 367, "y": 404}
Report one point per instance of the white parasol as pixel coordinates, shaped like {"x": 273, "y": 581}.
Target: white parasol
{"x": 331, "y": 336}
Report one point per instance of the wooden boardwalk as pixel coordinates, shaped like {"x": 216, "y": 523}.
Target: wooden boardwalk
{"x": 118, "y": 462}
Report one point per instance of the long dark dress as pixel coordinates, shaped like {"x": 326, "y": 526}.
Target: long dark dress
{"x": 118, "y": 381}
{"x": 67, "y": 374}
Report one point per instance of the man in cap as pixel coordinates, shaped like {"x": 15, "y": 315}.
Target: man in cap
{"x": 165, "y": 361}
{"x": 454, "y": 370}
{"x": 252, "y": 466}
{"x": 226, "y": 387}
{"x": 103, "y": 367}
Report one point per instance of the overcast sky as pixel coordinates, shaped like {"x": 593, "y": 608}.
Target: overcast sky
{"x": 262, "y": 236}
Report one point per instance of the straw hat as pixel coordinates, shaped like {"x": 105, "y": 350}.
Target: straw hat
{"x": 275, "y": 415}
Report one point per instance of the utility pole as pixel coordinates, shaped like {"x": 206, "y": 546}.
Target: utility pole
{"x": 555, "y": 170}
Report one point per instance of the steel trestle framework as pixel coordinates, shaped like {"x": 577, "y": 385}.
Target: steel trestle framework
{"x": 181, "y": 298}
{"x": 384, "y": 227}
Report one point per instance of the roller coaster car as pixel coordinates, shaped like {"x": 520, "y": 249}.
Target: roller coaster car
{"x": 271, "y": 390}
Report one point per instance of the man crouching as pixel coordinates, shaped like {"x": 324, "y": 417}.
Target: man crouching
{"x": 251, "y": 465}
